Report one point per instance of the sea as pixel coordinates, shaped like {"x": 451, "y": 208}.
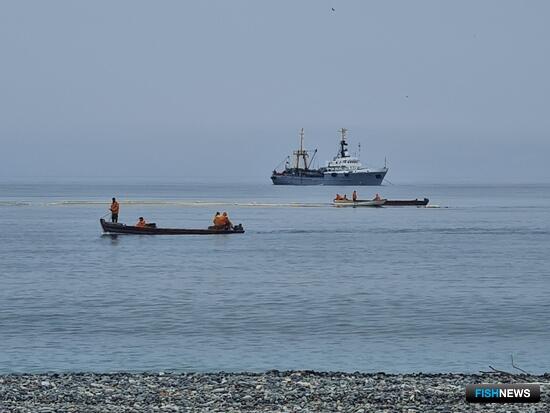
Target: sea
{"x": 457, "y": 287}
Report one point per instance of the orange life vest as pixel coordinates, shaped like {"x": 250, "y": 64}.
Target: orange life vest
{"x": 115, "y": 207}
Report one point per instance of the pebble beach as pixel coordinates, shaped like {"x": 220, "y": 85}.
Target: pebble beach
{"x": 272, "y": 391}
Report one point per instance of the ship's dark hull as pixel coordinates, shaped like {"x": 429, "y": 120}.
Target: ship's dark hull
{"x": 371, "y": 178}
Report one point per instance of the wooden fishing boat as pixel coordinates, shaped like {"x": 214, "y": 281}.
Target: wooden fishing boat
{"x": 151, "y": 229}
{"x": 359, "y": 202}
{"x": 407, "y": 202}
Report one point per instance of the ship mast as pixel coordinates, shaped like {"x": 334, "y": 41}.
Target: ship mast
{"x": 343, "y": 143}
{"x": 301, "y": 152}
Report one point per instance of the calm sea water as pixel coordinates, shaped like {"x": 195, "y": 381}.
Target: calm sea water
{"x": 309, "y": 286}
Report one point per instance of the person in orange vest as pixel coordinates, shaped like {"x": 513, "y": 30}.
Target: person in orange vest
{"x": 141, "y": 223}
{"x": 338, "y": 197}
{"x": 226, "y": 222}
{"x": 354, "y": 196}
{"x": 219, "y": 221}
{"x": 115, "y": 208}
{"x": 216, "y": 218}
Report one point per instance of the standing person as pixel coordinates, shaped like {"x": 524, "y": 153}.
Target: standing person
{"x": 354, "y": 196}
{"x": 115, "y": 207}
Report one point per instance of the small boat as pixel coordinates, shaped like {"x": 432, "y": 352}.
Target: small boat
{"x": 412, "y": 202}
{"x": 151, "y": 229}
{"x": 359, "y": 202}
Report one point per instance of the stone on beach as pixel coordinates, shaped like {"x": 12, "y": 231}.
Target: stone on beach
{"x": 273, "y": 391}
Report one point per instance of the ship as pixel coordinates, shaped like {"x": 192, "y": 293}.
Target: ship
{"x": 343, "y": 169}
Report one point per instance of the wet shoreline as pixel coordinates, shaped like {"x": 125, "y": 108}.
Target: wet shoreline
{"x": 272, "y": 391}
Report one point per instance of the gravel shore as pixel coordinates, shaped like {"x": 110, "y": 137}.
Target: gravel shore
{"x": 273, "y": 391}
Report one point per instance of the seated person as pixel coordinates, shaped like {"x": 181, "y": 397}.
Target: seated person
{"x": 226, "y": 222}
{"x": 377, "y": 198}
{"x": 141, "y": 223}
{"x": 219, "y": 221}
{"x": 216, "y": 217}
{"x": 338, "y": 197}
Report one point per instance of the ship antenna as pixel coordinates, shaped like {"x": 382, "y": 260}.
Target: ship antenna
{"x": 343, "y": 142}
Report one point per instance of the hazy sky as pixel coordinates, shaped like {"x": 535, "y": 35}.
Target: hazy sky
{"x": 447, "y": 90}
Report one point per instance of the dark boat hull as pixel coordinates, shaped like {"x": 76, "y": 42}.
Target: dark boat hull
{"x": 111, "y": 228}
{"x": 412, "y": 202}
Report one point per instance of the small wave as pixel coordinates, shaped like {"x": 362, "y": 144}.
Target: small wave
{"x": 193, "y": 203}
{"x": 76, "y": 202}
{"x": 14, "y": 203}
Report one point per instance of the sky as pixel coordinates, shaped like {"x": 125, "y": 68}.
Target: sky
{"x": 447, "y": 91}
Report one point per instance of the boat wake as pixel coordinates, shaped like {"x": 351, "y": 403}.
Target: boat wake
{"x": 404, "y": 231}
{"x": 466, "y": 231}
{"x": 306, "y": 231}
